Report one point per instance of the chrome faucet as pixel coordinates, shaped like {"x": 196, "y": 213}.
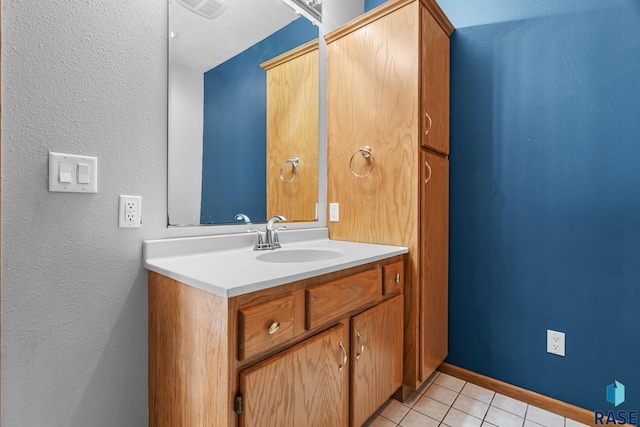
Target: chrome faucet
{"x": 268, "y": 239}
{"x": 272, "y": 235}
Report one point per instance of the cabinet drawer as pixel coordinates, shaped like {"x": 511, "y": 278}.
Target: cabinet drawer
{"x": 265, "y": 325}
{"x": 392, "y": 278}
{"x": 336, "y": 298}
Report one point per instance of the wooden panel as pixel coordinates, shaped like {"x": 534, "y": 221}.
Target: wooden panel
{"x": 292, "y": 131}
{"x": 254, "y": 323}
{"x": 373, "y": 101}
{"x": 301, "y": 386}
{"x": 434, "y": 258}
{"x": 337, "y": 298}
{"x": 376, "y": 359}
{"x": 435, "y": 84}
{"x": 188, "y": 355}
{"x": 392, "y": 278}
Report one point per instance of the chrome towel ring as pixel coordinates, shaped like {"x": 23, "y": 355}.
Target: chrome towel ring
{"x": 367, "y": 154}
{"x": 294, "y": 162}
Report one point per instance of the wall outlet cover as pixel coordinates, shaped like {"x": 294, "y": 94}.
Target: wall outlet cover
{"x": 555, "y": 342}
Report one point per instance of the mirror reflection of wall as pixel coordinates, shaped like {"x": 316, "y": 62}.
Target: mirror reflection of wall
{"x": 234, "y": 140}
{"x": 217, "y": 115}
{"x": 204, "y": 193}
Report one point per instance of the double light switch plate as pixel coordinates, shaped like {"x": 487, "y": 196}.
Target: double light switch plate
{"x": 72, "y": 173}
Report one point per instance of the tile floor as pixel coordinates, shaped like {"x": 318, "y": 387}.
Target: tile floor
{"x": 448, "y": 401}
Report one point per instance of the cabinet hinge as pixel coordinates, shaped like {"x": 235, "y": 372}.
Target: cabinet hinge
{"x": 238, "y": 404}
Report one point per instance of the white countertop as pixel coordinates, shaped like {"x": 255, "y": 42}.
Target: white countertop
{"x": 226, "y": 265}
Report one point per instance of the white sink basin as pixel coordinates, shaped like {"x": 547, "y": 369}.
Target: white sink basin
{"x": 299, "y": 255}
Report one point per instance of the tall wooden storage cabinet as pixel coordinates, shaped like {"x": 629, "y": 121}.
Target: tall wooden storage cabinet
{"x": 388, "y": 90}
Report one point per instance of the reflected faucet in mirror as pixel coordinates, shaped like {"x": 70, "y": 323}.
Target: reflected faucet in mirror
{"x": 242, "y": 217}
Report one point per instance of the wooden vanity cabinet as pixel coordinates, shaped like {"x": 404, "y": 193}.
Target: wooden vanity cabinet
{"x": 388, "y": 89}
{"x": 304, "y": 385}
{"x": 282, "y": 356}
{"x": 376, "y": 358}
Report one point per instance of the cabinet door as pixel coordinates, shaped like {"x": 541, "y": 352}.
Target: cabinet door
{"x": 434, "y": 261}
{"x": 301, "y": 386}
{"x": 434, "y": 84}
{"x": 376, "y": 357}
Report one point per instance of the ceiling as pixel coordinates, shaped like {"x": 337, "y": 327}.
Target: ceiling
{"x": 203, "y": 43}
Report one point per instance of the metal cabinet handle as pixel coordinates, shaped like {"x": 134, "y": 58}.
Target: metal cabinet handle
{"x": 398, "y": 278}
{"x": 344, "y": 357}
{"x": 429, "y": 169}
{"x": 274, "y": 328}
{"x": 361, "y": 345}
{"x": 426, "y": 132}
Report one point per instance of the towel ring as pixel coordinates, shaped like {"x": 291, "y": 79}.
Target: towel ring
{"x": 366, "y": 153}
{"x": 294, "y": 162}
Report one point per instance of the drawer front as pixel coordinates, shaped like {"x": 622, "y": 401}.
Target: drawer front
{"x": 393, "y": 278}
{"x": 265, "y": 325}
{"x": 334, "y": 299}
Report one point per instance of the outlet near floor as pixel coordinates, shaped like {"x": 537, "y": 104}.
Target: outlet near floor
{"x": 555, "y": 342}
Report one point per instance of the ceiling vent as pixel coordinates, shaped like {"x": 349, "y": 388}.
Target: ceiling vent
{"x": 207, "y": 8}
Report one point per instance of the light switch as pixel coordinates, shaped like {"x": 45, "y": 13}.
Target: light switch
{"x": 73, "y": 173}
{"x": 64, "y": 173}
{"x": 83, "y": 173}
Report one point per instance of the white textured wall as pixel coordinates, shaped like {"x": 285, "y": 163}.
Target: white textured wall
{"x": 83, "y": 77}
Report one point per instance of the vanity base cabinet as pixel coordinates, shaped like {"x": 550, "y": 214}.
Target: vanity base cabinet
{"x": 388, "y": 91}
{"x": 282, "y": 356}
{"x": 376, "y": 358}
{"x": 304, "y": 385}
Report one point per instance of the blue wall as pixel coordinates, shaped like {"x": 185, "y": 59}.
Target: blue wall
{"x": 234, "y": 135}
{"x": 545, "y": 194}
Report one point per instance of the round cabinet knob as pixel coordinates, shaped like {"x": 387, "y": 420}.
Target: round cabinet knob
{"x": 274, "y": 328}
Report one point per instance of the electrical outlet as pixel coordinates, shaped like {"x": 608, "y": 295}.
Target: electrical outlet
{"x": 555, "y": 342}
{"x": 130, "y": 212}
{"x": 334, "y": 212}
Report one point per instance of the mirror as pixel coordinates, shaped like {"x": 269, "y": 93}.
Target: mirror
{"x": 217, "y": 166}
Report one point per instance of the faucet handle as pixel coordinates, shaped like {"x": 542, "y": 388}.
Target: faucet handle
{"x": 276, "y": 240}
{"x": 260, "y": 245}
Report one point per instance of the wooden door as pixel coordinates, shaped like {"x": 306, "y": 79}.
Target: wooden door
{"x": 301, "y": 386}
{"x": 434, "y": 60}
{"x": 376, "y": 358}
{"x": 434, "y": 261}
{"x": 292, "y": 133}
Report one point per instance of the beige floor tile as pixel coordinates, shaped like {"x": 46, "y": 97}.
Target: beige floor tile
{"x": 529, "y": 423}
{"x": 457, "y": 418}
{"x": 432, "y": 408}
{"x": 500, "y": 418}
{"x": 486, "y": 424}
{"x": 416, "y": 419}
{"x": 393, "y": 410}
{"x": 509, "y": 404}
{"x": 379, "y": 421}
{"x": 441, "y": 394}
{"x": 471, "y": 406}
{"x": 479, "y": 393}
{"x": 452, "y": 383}
{"x": 544, "y": 418}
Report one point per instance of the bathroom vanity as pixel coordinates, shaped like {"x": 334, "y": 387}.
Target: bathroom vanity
{"x": 311, "y": 334}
